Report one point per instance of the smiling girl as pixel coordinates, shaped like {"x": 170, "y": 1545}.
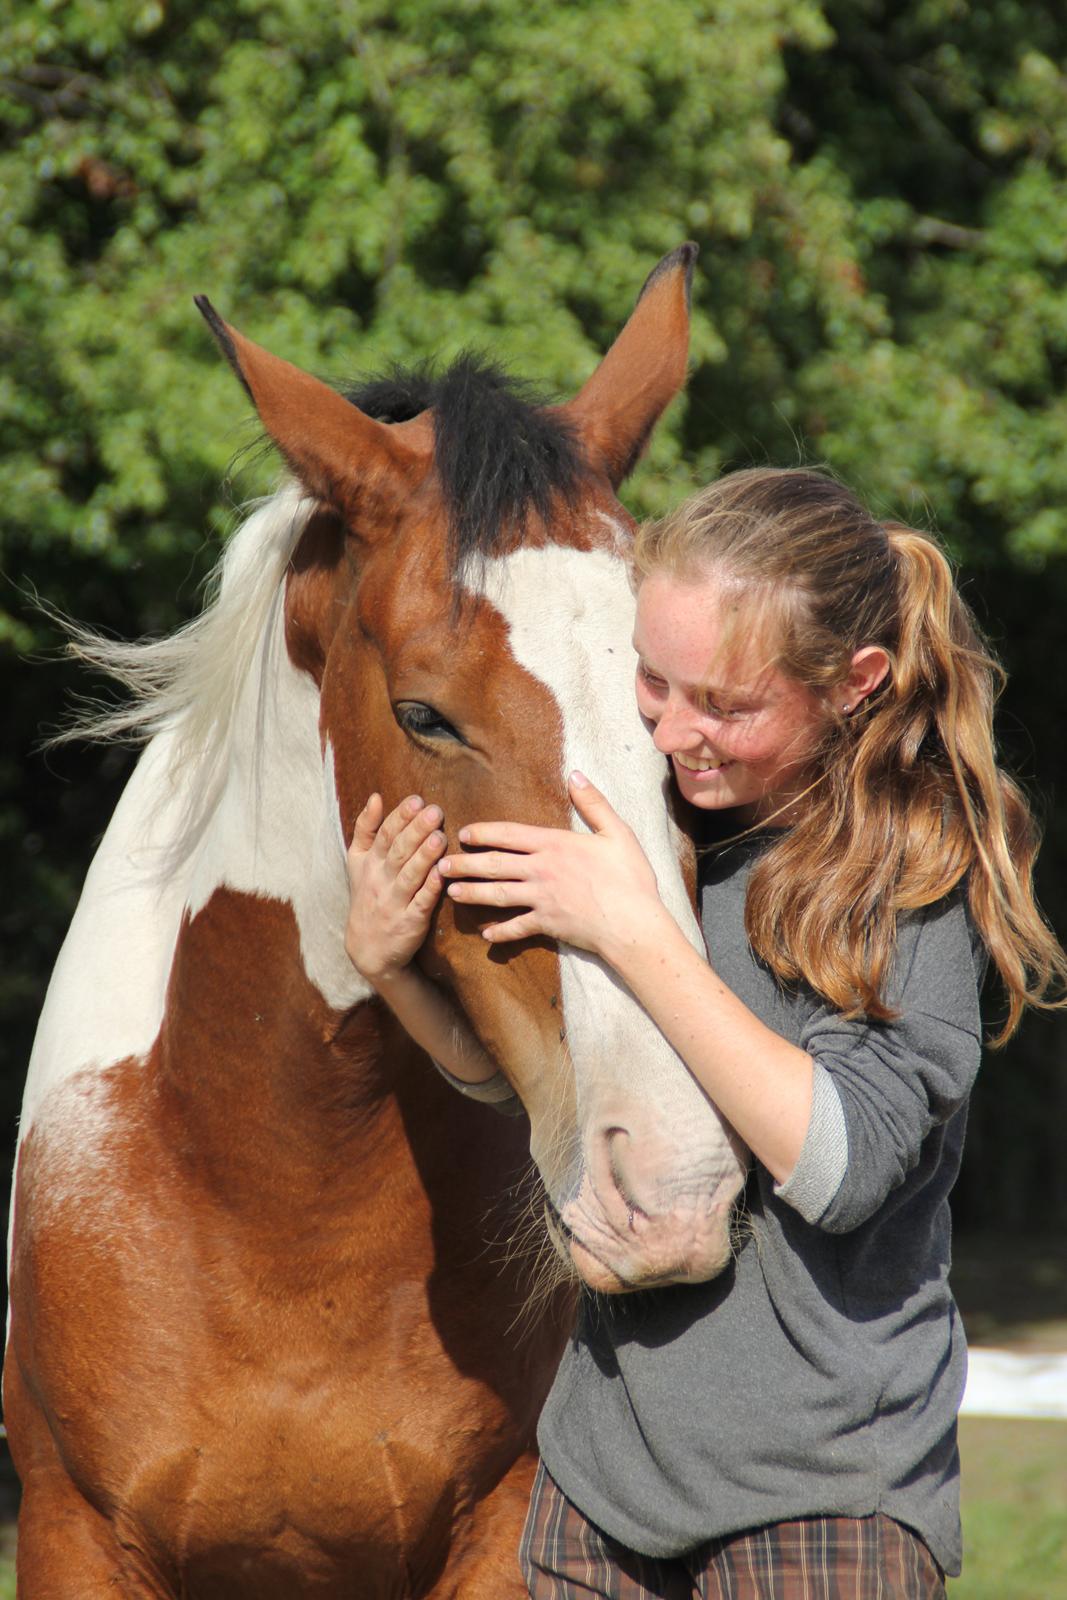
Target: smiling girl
{"x": 825, "y": 702}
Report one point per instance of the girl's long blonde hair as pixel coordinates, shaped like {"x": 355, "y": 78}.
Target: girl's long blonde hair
{"x": 906, "y": 799}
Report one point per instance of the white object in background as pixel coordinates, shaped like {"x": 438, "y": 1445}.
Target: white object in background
{"x": 1003, "y": 1383}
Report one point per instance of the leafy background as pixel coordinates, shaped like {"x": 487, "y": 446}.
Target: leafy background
{"x": 878, "y": 191}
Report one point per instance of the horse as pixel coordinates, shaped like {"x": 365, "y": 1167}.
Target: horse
{"x": 265, "y": 1336}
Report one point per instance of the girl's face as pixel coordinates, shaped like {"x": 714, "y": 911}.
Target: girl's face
{"x": 737, "y": 731}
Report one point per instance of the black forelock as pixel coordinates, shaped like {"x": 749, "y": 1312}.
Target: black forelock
{"x": 500, "y": 453}
{"x": 393, "y": 396}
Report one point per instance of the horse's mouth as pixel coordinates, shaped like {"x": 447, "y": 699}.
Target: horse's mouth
{"x": 596, "y": 1273}
{"x": 558, "y": 1231}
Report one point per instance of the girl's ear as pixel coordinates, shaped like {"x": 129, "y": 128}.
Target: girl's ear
{"x": 870, "y": 667}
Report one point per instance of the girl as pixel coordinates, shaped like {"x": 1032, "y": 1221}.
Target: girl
{"x": 825, "y": 703}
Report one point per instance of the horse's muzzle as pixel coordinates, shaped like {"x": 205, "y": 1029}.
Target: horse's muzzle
{"x": 635, "y": 1224}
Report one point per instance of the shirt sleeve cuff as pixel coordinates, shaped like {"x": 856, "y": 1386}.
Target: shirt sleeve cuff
{"x": 495, "y": 1091}
{"x": 820, "y": 1168}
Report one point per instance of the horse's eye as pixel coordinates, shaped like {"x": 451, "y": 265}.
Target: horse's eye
{"x": 424, "y": 722}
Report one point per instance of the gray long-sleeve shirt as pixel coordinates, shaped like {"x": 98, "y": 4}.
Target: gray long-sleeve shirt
{"x": 821, "y": 1373}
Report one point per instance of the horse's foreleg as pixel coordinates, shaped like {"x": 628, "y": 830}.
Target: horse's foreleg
{"x": 485, "y": 1561}
{"x": 68, "y": 1551}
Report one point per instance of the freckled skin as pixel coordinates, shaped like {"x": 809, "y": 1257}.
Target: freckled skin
{"x": 712, "y": 693}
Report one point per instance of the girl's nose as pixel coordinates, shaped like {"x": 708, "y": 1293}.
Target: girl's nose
{"x": 672, "y": 732}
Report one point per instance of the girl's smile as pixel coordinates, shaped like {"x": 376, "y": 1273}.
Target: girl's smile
{"x": 696, "y": 765}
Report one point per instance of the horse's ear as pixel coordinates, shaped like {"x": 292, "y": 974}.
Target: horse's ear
{"x": 617, "y": 408}
{"x": 337, "y": 451}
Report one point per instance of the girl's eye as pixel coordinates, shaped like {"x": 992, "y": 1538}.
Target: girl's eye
{"x": 424, "y": 722}
{"x": 724, "y": 713}
{"x": 650, "y": 679}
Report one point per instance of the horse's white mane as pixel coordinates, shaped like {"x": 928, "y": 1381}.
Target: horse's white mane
{"x": 190, "y": 682}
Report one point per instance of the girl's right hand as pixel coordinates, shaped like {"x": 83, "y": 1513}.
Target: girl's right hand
{"x": 394, "y": 885}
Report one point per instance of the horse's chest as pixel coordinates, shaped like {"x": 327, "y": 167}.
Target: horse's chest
{"x": 308, "y": 1486}
{"x": 266, "y": 1420}
{"x": 297, "y": 1472}
{"x": 304, "y": 1442}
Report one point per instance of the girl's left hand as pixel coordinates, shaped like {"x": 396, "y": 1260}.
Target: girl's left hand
{"x": 593, "y": 890}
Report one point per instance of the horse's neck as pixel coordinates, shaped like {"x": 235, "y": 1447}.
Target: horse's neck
{"x": 271, "y": 1092}
{"x": 272, "y": 840}
{"x": 261, "y": 953}
{"x": 275, "y": 831}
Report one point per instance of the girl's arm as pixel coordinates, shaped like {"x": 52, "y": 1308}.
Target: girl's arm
{"x": 425, "y": 1012}
{"x": 394, "y": 887}
{"x": 598, "y": 891}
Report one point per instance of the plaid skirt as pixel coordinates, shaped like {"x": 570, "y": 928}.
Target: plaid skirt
{"x": 564, "y": 1557}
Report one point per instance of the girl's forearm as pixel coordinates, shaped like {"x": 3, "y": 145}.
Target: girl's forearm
{"x": 760, "y": 1082}
{"x": 427, "y": 1014}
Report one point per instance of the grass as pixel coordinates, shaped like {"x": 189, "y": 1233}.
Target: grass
{"x": 1014, "y": 1510}
{"x": 1012, "y": 1292}
{"x": 7, "y": 1563}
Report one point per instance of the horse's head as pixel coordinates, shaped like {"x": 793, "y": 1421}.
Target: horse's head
{"x": 461, "y": 597}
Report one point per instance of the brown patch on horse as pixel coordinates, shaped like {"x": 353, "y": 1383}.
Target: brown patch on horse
{"x": 395, "y": 642}
{"x": 313, "y": 608}
{"x": 375, "y": 624}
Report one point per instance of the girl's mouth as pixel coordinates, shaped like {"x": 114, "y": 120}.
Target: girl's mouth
{"x": 698, "y": 766}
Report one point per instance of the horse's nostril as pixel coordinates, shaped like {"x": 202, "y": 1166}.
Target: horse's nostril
{"x": 616, "y": 1137}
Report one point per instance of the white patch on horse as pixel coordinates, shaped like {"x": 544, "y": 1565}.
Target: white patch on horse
{"x": 107, "y": 992}
{"x": 570, "y": 619}
{"x": 72, "y": 1147}
{"x": 106, "y": 996}
{"x": 235, "y": 790}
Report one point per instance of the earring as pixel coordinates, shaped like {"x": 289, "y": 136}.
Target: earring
{"x": 845, "y": 710}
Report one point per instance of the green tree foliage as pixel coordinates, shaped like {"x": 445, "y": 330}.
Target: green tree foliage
{"x": 877, "y": 189}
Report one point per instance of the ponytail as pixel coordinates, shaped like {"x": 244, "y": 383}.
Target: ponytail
{"x": 940, "y": 651}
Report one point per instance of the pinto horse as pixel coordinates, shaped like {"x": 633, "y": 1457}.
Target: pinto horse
{"x": 262, "y": 1344}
